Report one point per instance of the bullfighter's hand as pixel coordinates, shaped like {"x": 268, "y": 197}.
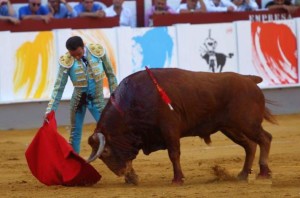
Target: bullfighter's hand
{"x": 46, "y": 118}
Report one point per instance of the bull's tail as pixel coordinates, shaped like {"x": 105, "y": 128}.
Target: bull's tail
{"x": 268, "y": 115}
{"x": 256, "y": 79}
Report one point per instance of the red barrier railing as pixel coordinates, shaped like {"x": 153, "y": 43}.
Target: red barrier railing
{"x": 74, "y": 23}
{"x": 106, "y": 2}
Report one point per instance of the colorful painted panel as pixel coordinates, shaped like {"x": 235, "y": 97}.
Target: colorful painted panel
{"x": 209, "y": 48}
{"x": 270, "y": 52}
{"x": 26, "y": 76}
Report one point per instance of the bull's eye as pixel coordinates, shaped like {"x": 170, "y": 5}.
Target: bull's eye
{"x": 210, "y": 44}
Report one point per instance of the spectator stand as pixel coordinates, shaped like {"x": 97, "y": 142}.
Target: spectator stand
{"x": 136, "y": 6}
{"x": 264, "y": 3}
{"x": 104, "y": 4}
{"x": 139, "y": 6}
{"x": 19, "y": 3}
{"x": 131, "y": 4}
{"x": 222, "y": 17}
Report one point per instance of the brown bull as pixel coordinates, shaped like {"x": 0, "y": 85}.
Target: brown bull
{"x": 137, "y": 118}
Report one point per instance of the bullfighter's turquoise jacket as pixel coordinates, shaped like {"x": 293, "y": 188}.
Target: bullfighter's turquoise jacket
{"x": 88, "y": 87}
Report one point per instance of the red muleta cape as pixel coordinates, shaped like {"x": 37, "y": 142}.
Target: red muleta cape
{"x": 52, "y": 161}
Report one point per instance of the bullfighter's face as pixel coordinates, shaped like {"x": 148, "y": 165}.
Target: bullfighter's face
{"x": 78, "y": 53}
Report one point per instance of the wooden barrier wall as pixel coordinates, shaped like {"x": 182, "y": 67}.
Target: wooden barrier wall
{"x": 74, "y": 23}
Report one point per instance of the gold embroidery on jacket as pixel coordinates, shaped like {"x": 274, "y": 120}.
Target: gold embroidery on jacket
{"x": 99, "y": 76}
{"x": 96, "y": 49}
{"x": 79, "y": 70}
{"x": 66, "y": 60}
{"x": 96, "y": 71}
{"x": 80, "y": 84}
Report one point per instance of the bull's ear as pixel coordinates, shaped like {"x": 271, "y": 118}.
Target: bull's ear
{"x": 106, "y": 152}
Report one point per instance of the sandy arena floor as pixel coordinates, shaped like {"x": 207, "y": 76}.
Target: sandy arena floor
{"x": 155, "y": 172}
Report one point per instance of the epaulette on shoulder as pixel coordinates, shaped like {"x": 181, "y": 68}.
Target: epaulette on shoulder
{"x": 66, "y": 60}
{"x": 96, "y": 49}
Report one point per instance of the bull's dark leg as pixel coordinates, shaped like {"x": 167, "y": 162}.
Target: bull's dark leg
{"x": 174, "y": 156}
{"x": 264, "y": 139}
{"x": 249, "y": 147}
{"x": 131, "y": 177}
{"x": 173, "y": 146}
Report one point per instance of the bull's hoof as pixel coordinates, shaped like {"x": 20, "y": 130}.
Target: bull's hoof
{"x": 243, "y": 175}
{"x": 132, "y": 178}
{"x": 177, "y": 182}
{"x": 264, "y": 175}
{"x": 265, "y": 172}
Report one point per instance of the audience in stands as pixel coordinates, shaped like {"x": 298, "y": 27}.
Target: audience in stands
{"x": 296, "y": 3}
{"x": 192, "y": 6}
{"x": 34, "y": 10}
{"x": 245, "y": 5}
{"x": 159, "y": 7}
{"x": 89, "y": 8}
{"x": 61, "y": 9}
{"x": 7, "y": 12}
{"x": 125, "y": 14}
{"x": 281, "y": 4}
{"x": 220, "y": 6}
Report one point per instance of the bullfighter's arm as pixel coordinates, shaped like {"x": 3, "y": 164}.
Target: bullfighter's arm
{"x": 112, "y": 80}
{"x": 58, "y": 90}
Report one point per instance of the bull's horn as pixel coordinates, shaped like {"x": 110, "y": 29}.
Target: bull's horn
{"x": 94, "y": 156}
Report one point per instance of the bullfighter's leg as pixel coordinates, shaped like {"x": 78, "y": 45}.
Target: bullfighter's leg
{"x": 77, "y": 118}
{"x": 249, "y": 147}
{"x": 95, "y": 111}
{"x": 98, "y": 103}
{"x": 263, "y": 139}
{"x": 173, "y": 146}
